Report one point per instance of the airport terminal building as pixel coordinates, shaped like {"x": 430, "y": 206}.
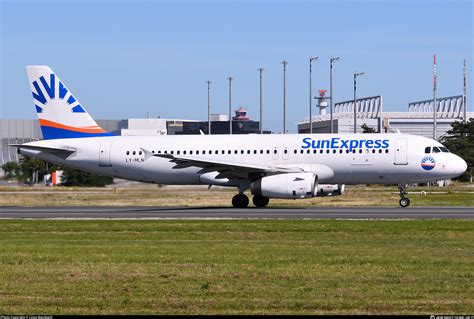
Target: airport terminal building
{"x": 417, "y": 120}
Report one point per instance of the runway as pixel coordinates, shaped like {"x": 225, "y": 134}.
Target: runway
{"x": 224, "y": 212}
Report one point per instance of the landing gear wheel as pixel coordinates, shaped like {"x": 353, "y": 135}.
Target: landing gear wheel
{"x": 240, "y": 201}
{"x": 260, "y": 201}
{"x": 405, "y": 202}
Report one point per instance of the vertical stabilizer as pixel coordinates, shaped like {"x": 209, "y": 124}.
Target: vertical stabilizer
{"x": 60, "y": 114}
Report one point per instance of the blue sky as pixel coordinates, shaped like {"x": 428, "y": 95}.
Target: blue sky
{"x": 123, "y": 59}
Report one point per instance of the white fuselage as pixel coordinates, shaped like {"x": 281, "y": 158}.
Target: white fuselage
{"x": 125, "y": 157}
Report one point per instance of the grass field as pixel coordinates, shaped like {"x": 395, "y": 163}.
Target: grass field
{"x": 237, "y": 267}
{"x": 455, "y": 195}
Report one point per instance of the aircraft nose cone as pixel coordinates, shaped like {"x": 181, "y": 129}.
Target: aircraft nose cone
{"x": 460, "y": 166}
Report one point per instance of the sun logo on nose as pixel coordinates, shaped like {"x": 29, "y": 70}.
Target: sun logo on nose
{"x": 428, "y": 163}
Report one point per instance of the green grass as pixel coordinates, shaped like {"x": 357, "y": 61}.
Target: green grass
{"x": 237, "y": 267}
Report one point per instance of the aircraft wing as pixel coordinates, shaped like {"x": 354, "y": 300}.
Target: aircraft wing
{"x": 226, "y": 169}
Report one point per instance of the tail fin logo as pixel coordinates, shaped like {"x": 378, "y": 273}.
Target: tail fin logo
{"x": 59, "y": 113}
{"x": 45, "y": 91}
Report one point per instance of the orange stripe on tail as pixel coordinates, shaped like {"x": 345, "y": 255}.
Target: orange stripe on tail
{"x": 96, "y": 129}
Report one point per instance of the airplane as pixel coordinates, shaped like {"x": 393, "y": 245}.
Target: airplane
{"x": 291, "y": 166}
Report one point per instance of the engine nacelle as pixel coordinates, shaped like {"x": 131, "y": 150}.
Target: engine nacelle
{"x": 330, "y": 190}
{"x": 290, "y": 185}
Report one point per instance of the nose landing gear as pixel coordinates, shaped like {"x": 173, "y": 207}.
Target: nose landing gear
{"x": 404, "y": 201}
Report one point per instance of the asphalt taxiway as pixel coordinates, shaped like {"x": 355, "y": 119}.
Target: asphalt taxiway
{"x": 97, "y": 212}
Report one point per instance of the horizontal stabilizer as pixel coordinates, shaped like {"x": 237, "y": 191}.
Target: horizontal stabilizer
{"x": 60, "y": 152}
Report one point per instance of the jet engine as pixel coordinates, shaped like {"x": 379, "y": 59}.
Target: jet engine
{"x": 330, "y": 190}
{"x": 290, "y": 185}
{"x": 294, "y": 185}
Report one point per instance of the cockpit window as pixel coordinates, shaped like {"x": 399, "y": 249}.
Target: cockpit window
{"x": 428, "y": 150}
{"x": 436, "y": 149}
{"x": 444, "y": 149}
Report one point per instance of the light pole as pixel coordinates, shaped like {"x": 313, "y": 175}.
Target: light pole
{"x": 311, "y": 59}
{"x": 230, "y": 104}
{"x": 208, "y": 107}
{"x": 435, "y": 109}
{"x": 355, "y": 100}
{"x": 464, "y": 102}
{"x": 261, "y": 104}
{"x": 331, "y": 61}
{"x": 284, "y": 62}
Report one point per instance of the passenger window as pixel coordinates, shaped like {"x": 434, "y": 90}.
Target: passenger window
{"x": 353, "y": 151}
{"x": 248, "y": 151}
{"x": 153, "y": 152}
{"x": 373, "y": 151}
{"x": 301, "y": 151}
{"x": 184, "y": 152}
{"x": 255, "y": 151}
{"x": 428, "y": 150}
{"x": 268, "y": 151}
{"x": 347, "y": 151}
{"x": 223, "y": 152}
{"x": 286, "y": 151}
{"x": 242, "y": 152}
{"x": 128, "y": 153}
{"x": 229, "y": 152}
{"x": 295, "y": 151}
{"x": 360, "y": 151}
{"x": 235, "y": 151}
{"x": 321, "y": 151}
{"x": 334, "y": 151}
{"x": 261, "y": 151}
{"x": 315, "y": 151}
{"x": 274, "y": 151}
{"x": 327, "y": 151}
{"x": 340, "y": 151}
{"x": 436, "y": 150}
{"x": 159, "y": 152}
{"x": 386, "y": 151}
{"x": 134, "y": 153}
{"x": 197, "y": 153}
{"x": 380, "y": 151}
{"x": 203, "y": 152}
{"x": 308, "y": 151}
{"x": 172, "y": 152}
{"x": 191, "y": 152}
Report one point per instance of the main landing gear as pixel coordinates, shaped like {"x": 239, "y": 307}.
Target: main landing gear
{"x": 260, "y": 201}
{"x": 242, "y": 201}
{"x": 404, "y": 201}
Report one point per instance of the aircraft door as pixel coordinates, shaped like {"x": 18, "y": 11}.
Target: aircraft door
{"x": 104, "y": 154}
{"x": 401, "y": 152}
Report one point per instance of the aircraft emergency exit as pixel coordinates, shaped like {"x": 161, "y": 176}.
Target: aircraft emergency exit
{"x": 270, "y": 166}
